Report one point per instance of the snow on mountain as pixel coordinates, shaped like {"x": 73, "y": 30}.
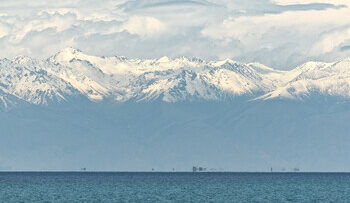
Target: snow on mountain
{"x": 72, "y": 72}
{"x": 328, "y": 79}
{"x": 27, "y": 79}
{"x": 167, "y": 79}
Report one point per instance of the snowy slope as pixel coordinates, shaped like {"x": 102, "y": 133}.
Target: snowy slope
{"x": 314, "y": 78}
{"x": 73, "y": 73}
{"x": 167, "y": 79}
{"x": 27, "y": 79}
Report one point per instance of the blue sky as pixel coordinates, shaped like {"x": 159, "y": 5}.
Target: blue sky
{"x": 277, "y": 33}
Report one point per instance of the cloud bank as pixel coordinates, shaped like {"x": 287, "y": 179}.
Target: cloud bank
{"x": 278, "y": 33}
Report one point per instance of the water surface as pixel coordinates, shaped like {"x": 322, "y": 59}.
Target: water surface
{"x": 173, "y": 187}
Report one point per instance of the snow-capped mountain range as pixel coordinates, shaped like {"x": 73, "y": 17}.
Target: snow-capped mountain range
{"x": 72, "y": 73}
{"x": 113, "y": 113}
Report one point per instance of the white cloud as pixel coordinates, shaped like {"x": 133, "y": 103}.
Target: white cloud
{"x": 311, "y": 33}
{"x": 44, "y": 21}
{"x": 331, "y": 41}
{"x": 252, "y": 28}
{"x": 4, "y": 30}
{"x": 277, "y": 33}
{"x": 294, "y": 2}
{"x": 144, "y": 26}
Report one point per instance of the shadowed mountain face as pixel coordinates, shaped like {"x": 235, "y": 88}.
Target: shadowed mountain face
{"x": 73, "y": 110}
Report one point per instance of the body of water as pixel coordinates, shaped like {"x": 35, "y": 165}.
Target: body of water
{"x": 173, "y": 187}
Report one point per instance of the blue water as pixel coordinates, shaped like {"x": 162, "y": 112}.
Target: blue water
{"x": 174, "y": 187}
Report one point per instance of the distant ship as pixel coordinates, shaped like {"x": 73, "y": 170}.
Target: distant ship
{"x": 198, "y": 169}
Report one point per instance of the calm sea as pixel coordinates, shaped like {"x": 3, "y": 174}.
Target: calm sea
{"x": 174, "y": 187}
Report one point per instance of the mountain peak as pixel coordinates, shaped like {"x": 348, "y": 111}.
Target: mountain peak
{"x": 67, "y": 54}
{"x": 164, "y": 59}
{"x": 70, "y": 50}
{"x": 72, "y": 72}
{"x": 22, "y": 59}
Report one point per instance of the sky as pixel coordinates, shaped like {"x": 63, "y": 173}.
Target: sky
{"x": 279, "y": 33}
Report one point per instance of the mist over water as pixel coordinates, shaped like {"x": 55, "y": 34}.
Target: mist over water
{"x": 233, "y": 136}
